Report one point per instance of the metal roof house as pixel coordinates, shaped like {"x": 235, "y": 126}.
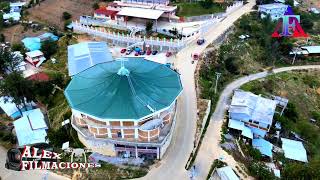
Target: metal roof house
{"x": 84, "y": 55}
{"x": 11, "y": 109}
{"x": 254, "y": 111}
{"x": 224, "y": 173}
{"x": 127, "y": 106}
{"x": 265, "y": 147}
{"x": 275, "y": 10}
{"x": 294, "y": 150}
{"x": 307, "y": 51}
{"x": 31, "y": 128}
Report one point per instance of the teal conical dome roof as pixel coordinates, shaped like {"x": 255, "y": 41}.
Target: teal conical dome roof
{"x": 128, "y": 89}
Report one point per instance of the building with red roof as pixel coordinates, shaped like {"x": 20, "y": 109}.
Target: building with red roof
{"x": 105, "y": 13}
{"x": 41, "y": 76}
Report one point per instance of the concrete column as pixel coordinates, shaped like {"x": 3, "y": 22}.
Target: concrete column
{"x": 122, "y": 133}
{"x": 158, "y": 152}
{"x": 109, "y": 130}
{"x": 136, "y": 134}
{"x": 136, "y": 152}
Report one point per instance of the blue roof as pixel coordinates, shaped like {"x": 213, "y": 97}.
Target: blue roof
{"x": 226, "y": 173}
{"x": 26, "y": 135}
{"x": 265, "y": 147}
{"x": 247, "y": 132}
{"x": 48, "y": 35}
{"x": 32, "y": 43}
{"x": 85, "y": 55}
{"x": 235, "y": 124}
{"x": 258, "y": 131}
{"x": 294, "y": 150}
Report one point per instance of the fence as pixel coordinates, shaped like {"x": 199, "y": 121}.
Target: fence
{"x": 234, "y": 7}
{"x": 122, "y": 38}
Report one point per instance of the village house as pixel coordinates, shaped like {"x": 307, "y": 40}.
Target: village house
{"x": 306, "y": 51}
{"x": 13, "y": 110}
{"x": 124, "y": 107}
{"x": 248, "y": 110}
{"x": 84, "y": 55}
{"x": 275, "y": 10}
{"x": 224, "y": 173}
{"x": 36, "y": 57}
{"x": 31, "y": 128}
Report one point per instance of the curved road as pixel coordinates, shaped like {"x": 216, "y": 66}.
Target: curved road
{"x": 210, "y": 148}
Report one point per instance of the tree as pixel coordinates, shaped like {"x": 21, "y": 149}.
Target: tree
{"x": 306, "y": 23}
{"x": 49, "y": 47}
{"x": 289, "y": 2}
{"x": 9, "y": 62}
{"x": 207, "y": 4}
{"x": 66, "y": 15}
{"x": 95, "y": 6}
{"x": 17, "y": 87}
{"x": 149, "y": 26}
{"x": 2, "y": 38}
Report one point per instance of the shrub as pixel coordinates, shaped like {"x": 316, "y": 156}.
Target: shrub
{"x": 260, "y": 171}
{"x": 66, "y": 15}
{"x": 2, "y": 38}
{"x": 49, "y": 48}
{"x": 95, "y": 6}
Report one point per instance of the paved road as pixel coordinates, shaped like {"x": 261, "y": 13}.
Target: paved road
{"x": 210, "y": 149}
{"x": 6, "y": 174}
{"x": 173, "y": 162}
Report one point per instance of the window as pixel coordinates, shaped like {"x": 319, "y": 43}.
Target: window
{"x": 119, "y": 134}
{"x": 255, "y": 122}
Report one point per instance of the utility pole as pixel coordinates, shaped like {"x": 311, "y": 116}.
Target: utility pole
{"x": 217, "y": 78}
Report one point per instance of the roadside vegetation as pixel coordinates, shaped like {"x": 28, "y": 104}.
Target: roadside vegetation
{"x": 303, "y": 91}
{"x": 186, "y": 9}
{"x": 258, "y": 51}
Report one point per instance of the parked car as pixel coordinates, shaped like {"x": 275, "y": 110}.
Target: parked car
{"x": 142, "y": 53}
{"x": 200, "y": 41}
{"x": 149, "y": 52}
{"x": 123, "y": 50}
{"x": 129, "y": 51}
{"x": 168, "y": 54}
{"x": 136, "y": 54}
{"x": 154, "y": 52}
{"x": 195, "y": 56}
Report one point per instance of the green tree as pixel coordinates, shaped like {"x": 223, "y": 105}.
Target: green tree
{"x": 8, "y": 61}
{"x": 260, "y": 171}
{"x": 66, "y": 15}
{"x": 16, "y": 86}
{"x": 149, "y": 26}
{"x": 2, "y": 38}
{"x": 95, "y": 6}
{"x": 207, "y": 4}
{"x": 49, "y": 47}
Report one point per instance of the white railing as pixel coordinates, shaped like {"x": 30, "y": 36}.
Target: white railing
{"x": 118, "y": 37}
{"x": 234, "y": 7}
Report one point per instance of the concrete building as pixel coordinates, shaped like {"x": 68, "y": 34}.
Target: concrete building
{"x": 253, "y": 111}
{"x": 36, "y": 57}
{"x": 224, "y": 173}
{"x": 125, "y": 107}
{"x": 275, "y": 10}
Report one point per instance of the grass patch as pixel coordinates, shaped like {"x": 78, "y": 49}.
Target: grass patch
{"x": 195, "y": 9}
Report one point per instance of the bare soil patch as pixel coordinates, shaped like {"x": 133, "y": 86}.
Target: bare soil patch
{"x": 50, "y": 11}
